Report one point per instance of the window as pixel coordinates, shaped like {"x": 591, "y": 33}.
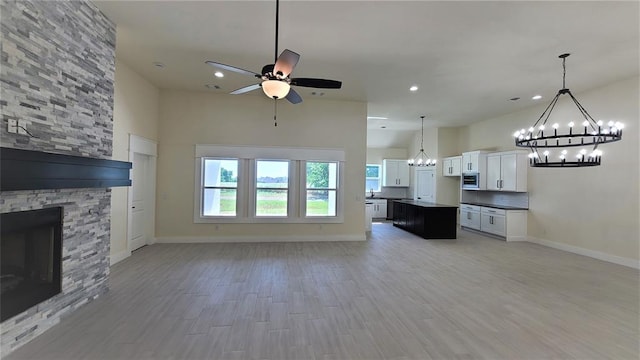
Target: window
{"x": 220, "y": 190}
{"x": 268, "y": 184}
{"x": 373, "y": 178}
{"x": 272, "y": 187}
{"x": 321, "y": 188}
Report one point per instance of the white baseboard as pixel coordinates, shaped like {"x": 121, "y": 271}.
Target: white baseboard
{"x": 117, "y": 257}
{"x": 517, "y": 238}
{"x": 246, "y": 239}
{"x": 632, "y": 263}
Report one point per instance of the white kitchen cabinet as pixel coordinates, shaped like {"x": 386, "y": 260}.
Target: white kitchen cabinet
{"x": 474, "y": 161}
{"x": 379, "y": 208}
{"x": 507, "y": 171}
{"x": 395, "y": 173}
{"x": 509, "y": 224}
{"x": 470, "y": 216}
{"x": 451, "y": 166}
{"x": 493, "y": 221}
{"x": 368, "y": 214}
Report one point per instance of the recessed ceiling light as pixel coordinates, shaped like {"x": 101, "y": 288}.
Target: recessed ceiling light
{"x": 158, "y": 64}
{"x": 376, "y": 118}
{"x": 218, "y": 74}
{"x": 536, "y": 97}
{"x": 515, "y": 98}
{"x": 413, "y": 88}
{"x": 212, "y": 86}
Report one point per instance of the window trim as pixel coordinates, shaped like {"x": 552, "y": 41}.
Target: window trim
{"x": 379, "y": 178}
{"x": 245, "y": 203}
{"x": 204, "y": 187}
{"x": 304, "y": 189}
{"x": 255, "y": 188}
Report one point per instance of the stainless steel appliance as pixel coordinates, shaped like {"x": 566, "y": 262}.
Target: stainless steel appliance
{"x": 471, "y": 181}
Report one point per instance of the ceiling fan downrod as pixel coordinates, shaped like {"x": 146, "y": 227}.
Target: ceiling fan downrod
{"x": 275, "y": 56}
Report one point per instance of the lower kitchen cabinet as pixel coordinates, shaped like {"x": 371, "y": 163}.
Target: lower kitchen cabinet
{"x": 379, "y": 208}
{"x": 470, "y": 216}
{"x": 494, "y": 224}
{"x": 368, "y": 214}
{"x": 428, "y": 220}
{"x": 508, "y": 224}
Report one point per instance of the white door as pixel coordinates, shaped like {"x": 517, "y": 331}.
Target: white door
{"x": 493, "y": 172}
{"x": 139, "y": 201}
{"x": 403, "y": 173}
{"x": 508, "y": 172}
{"x": 425, "y": 185}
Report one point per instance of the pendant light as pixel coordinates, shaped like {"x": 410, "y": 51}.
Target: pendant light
{"x": 421, "y": 159}
{"x": 590, "y": 135}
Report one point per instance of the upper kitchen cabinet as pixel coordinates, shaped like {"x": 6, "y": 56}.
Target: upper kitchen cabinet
{"x": 451, "y": 166}
{"x": 395, "y": 173}
{"x": 507, "y": 171}
{"x": 474, "y": 161}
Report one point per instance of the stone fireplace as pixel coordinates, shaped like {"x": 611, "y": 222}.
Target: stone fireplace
{"x": 57, "y": 75}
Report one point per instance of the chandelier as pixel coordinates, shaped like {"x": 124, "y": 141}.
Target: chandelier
{"x": 590, "y": 134}
{"x": 421, "y": 159}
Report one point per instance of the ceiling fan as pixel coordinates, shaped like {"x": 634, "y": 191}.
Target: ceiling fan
{"x": 276, "y": 81}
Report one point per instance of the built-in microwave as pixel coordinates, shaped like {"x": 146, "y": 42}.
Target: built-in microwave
{"x": 471, "y": 181}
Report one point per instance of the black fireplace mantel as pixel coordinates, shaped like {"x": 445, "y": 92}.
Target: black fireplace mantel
{"x": 36, "y": 170}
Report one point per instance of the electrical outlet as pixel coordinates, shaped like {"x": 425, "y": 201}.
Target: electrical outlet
{"x": 13, "y": 126}
{"x": 22, "y": 127}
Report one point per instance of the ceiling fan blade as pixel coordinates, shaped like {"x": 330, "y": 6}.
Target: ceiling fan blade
{"x": 286, "y": 62}
{"x": 293, "y": 97}
{"x": 317, "y": 83}
{"x": 245, "y": 89}
{"x": 232, "y": 68}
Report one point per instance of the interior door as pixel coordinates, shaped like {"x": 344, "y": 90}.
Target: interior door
{"x": 425, "y": 185}
{"x": 140, "y": 201}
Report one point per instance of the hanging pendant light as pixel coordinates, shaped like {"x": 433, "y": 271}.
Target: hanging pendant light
{"x": 590, "y": 135}
{"x": 421, "y": 159}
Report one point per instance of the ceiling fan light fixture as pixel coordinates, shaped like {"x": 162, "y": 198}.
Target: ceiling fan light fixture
{"x": 275, "y": 89}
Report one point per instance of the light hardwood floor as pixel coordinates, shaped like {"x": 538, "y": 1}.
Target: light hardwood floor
{"x": 395, "y": 296}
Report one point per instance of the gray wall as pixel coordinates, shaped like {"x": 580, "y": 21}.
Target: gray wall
{"x": 57, "y": 74}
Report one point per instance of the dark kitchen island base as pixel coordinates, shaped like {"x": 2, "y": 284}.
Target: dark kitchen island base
{"x": 429, "y": 220}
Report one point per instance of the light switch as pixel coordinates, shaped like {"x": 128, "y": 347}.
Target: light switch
{"x": 13, "y": 126}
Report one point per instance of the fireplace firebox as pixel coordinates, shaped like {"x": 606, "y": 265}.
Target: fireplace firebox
{"x": 30, "y": 258}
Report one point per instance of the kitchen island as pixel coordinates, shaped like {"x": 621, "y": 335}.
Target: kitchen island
{"x": 429, "y": 220}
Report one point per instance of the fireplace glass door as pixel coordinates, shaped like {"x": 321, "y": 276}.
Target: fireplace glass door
{"x": 30, "y": 258}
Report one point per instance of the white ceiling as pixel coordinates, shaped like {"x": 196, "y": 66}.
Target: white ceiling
{"x": 468, "y": 58}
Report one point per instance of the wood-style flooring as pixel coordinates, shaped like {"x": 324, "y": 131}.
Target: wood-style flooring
{"x": 395, "y": 296}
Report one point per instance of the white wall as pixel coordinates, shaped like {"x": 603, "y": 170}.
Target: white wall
{"x": 448, "y": 187}
{"x": 189, "y": 118}
{"x": 135, "y": 111}
{"x": 376, "y": 155}
{"x": 596, "y": 208}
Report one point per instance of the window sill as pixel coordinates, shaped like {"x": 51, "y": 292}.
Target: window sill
{"x": 269, "y": 220}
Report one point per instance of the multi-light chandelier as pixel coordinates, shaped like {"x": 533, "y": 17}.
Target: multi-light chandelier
{"x": 587, "y": 134}
{"x": 421, "y": 159}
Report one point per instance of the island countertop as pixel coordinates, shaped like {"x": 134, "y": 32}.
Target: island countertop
{"x": 425, "y": 204}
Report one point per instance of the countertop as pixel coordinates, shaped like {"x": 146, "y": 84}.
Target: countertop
{"x": 503, "y": 207}
{"x": 385, "y": 198}
{"x": 425, "y": 204}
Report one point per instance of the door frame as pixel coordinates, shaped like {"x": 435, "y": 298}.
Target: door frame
{"x": 435, "y": 178}
{"x": 144, "y": 146}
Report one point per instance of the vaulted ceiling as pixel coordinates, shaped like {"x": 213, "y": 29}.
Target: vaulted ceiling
{"x": 467, "y": 58}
